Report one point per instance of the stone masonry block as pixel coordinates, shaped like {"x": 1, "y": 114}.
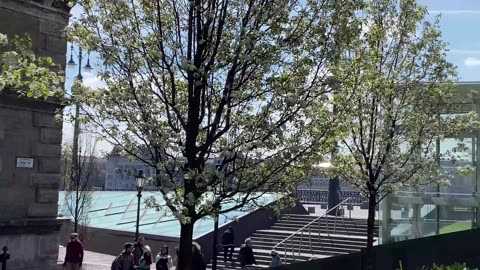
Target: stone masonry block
{"x": 54, "y": 44}
{"x": 48, "y": 246}
{"x": 43, "y": 210}
{"x": 45, "y": 179}
{"x": 52, "y": 28}
{"x": 45, "y": 120}
{"x": 47, "y": 150}
{"x": 49, "y": 135}
{"x": 47, "y": 195}
{"x": 49, "y": 165}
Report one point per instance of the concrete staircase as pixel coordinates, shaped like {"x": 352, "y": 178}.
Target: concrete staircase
{"x": 347, "y": 236}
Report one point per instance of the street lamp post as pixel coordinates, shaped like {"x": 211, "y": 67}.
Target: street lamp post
{"x": 215, "y": 228}
{"x": 74, "y": 172}
{"x": 139, "y": 182}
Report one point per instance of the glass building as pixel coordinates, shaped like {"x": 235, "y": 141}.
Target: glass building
{"x": 434, "y": 209}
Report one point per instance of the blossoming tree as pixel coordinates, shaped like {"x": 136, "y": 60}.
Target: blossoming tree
{"x": 242, "y": 82}
{"x": 393, "y": 83}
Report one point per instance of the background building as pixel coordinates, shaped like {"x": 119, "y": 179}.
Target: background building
{"x": 121, "y": 172}
{"x": 435, "y": 209}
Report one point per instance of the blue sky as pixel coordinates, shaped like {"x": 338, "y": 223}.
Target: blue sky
{"x": 460, "y": 26}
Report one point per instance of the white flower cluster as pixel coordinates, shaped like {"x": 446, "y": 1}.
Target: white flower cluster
{"x": 3, "y": 39}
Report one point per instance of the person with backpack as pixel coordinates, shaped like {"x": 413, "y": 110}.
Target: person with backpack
{"x": 146, "y": 260}
{"x": 124, "y": 261}
{"x": 228, "y": 241}
{"x": 163, "y": 260}
{"x": 138, "y": 250}
{"x": 198, "y": 261}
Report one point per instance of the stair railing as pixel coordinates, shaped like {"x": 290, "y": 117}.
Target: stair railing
{"x": 307, "y": 228}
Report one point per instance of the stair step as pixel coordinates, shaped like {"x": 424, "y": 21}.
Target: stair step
{"x": 350, "y": 236}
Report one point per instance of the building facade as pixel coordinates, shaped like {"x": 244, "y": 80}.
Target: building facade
{"x": 121, "y": 172}
{"x": 436, "y": 209}
{"x": 30, "y": 144}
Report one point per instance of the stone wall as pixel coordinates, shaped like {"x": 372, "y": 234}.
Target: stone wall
{"x": 28, "y": 130}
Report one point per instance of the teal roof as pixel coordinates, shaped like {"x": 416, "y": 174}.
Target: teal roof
{"x": 117, "y": 210}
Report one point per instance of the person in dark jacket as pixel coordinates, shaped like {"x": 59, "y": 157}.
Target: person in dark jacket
{"x": 246, "y": 255}
{"x": 138, "y": 250}
{"x": 74, "y": 254}
{"x": 228, "y": 241}
{"x": 198, "y": 262}
{"x": 124, "y": 261}
{"x": 163, "y": 261}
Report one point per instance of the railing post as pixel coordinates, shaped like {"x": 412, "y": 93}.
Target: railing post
{"x": 285, "y": 250}
{"x": 350, "y": 211}
{"x": 310, "y": 238}
{"x": 301, "y": 242}
{"x": 293, "y": 250}
{"x": 319, "y": 227}
{"x": 336, "y": 215}
{"x": 4, "y": 257}
{"x": 328, "y": 227}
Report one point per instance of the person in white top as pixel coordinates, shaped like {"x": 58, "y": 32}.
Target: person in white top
{"x": 163, "y": 260}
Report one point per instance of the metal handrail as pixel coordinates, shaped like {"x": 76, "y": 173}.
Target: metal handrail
{"x": 290, "y": 237}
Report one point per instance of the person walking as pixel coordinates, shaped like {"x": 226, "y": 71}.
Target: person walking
{"x": 198, "y": 261}
{"x": 74, "y": 254}
{"x": 124, "y": 261}
{"x": 146, "y": 260}
{"x": 246, "y": 255}
{"x": 276, "y": 260}
{"x": 163, "y": 261}
{"x": 138, "y": 250}
{"x": 228, "y": 241}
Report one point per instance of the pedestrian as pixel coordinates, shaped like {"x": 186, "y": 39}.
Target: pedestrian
{"x": 246, "y": 255}
{"x": 74, "y": 253}
{"x": 276, "y": 260}
{"x": 163, "y": 259}
{"x": 124, "y": 261}
{"x": 228, "y": 241}
{"x": 138, "y": 250}
{"x": 146, "y": 260}
{"x": 198, "y": 262}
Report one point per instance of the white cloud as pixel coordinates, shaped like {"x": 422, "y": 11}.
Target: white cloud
{"x": 455, "y": 12}
{"x": 472, "y": 62}
{"x": 93, "y": 82}
{"x": 461, "y": 51}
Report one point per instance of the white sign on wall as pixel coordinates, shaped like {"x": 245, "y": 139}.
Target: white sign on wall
{"x": 25, "y": 163}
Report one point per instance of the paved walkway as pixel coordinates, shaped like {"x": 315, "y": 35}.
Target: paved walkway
{"x": 92, "y": 261}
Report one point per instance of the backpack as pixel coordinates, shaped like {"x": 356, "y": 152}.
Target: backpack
{"x": 162, "y": 263}
{"x": 115, "y": 264}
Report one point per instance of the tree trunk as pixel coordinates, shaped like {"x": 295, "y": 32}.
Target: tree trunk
{"x": 77, "y": 215}
{"x": 186, "y": 239}
{"x": 75, "y": 225}
{"x": 372, "y": 203}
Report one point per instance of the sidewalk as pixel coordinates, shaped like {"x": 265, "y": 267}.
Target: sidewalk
{"x": 92, "y": 261}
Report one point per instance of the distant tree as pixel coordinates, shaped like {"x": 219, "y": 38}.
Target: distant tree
{"x": 240, "y": 81}
{"x": 393, "y": 82}
{"x": 78, "y": 179}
